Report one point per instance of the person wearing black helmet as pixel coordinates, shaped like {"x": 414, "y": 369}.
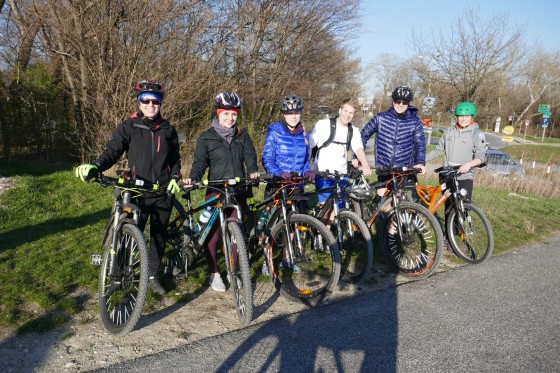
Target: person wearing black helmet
{"x": 226, "y": 151}
{"x": 286, "y": 147}
{"x": 399, "y": 134}
{"x": 286, "y": 150}
{"x": 151, "y": 144}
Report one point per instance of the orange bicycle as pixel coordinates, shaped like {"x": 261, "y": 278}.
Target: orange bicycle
{"x": 468, "y": 230}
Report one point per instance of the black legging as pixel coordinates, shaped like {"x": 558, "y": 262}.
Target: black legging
{"x": 467, "y": 184}
{"x": 158, "y": 209}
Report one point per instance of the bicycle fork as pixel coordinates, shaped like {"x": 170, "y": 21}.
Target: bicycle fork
{"x": 122, "y": 209}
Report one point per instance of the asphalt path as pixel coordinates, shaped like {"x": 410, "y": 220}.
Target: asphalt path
{"x": 502, "y": 316}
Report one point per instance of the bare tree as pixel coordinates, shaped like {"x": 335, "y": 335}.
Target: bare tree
{"x": 475, "y": 52}
{"x": 537, "y": 82}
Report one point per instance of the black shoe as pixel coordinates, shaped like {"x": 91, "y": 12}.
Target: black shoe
{"x": 154, "y": 284}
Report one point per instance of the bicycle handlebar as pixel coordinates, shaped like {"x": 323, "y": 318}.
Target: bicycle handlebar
{"x": 125, "y": 181}
{"x": 383, "y": 170}
{"x": 446, "y": 168}
{"x": 263, "y": 177}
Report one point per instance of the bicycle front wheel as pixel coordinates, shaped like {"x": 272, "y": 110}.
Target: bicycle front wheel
{"x": 123, "y": 280}
{"x": 472, "y": 239}
{"x": 239, "y": 276}
{"x": 312, "y": 269}
{"x": 416, "y": 248}
{"x": 356, "y": 248}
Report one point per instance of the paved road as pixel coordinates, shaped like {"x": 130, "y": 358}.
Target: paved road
{"x": 502, "y": 316}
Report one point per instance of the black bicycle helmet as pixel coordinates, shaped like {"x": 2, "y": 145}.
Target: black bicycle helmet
{"x": 149, "y": 86}
{"x": 403, "y": 93}
{"x": 291, "y": 103}
{"x": 227, "y": 100}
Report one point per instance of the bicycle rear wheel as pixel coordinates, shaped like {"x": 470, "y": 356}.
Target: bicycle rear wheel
{"x": 418, "y": 252}
{"x": 314, "y": 269}
{"x": 122, "y": 290}
{"x": 473, "y": 239}
{"x": 240, "y": 278}
{"x": 175, "y": 259}
{"x": 356, "y": 248}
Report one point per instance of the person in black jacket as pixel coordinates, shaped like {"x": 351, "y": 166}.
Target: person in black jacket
{"x": 227, "y": 152}
{"x": 151, "y": 144}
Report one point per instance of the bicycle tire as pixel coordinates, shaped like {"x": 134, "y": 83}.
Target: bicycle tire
{"x": 319, "y": 270}
{"x": 474, "y": 242}
{"x": 417, "y": 254}
{"x": 356, "y": 248}
{"x": 240, "y": 278}
{"x": 122, "y": 295}
{"x": 176, "y": 259}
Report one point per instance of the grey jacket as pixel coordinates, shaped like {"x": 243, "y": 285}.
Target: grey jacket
{"x": 460, "y": 147}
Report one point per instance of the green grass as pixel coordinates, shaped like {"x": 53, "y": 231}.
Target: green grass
{"x": 539, "y": 139}
{"x": 539, "y": 153}
{"x": 51, "y": 223}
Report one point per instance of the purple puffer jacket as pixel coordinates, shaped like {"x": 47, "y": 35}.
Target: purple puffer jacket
{"x": 399, "y": 141}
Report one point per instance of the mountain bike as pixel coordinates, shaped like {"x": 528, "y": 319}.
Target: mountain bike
{"x": 123, "y": 278}
{"x": 237, "y": 263}
{"x": 350, "y": 231}
{"x": 411, "y": 237}
{"x": 468, "y": 230}
{"x": 299, "y": 269}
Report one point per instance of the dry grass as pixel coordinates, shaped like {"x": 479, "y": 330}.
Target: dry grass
{"x": 537, "y": 182}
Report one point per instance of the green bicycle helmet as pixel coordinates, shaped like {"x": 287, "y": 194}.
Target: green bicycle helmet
{"x": 465, "y": 108}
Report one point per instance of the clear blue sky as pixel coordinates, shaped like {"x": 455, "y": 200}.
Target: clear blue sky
{"x": 381, "y": 20}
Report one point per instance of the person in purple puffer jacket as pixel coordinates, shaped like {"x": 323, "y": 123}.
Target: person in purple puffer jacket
{"x": 399, "y": 134}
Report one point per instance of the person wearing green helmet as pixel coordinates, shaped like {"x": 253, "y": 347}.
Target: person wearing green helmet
{"x": 462, "y": 144}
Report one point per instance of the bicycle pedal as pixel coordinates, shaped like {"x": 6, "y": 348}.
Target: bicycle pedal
{"x": 96, "y": 259}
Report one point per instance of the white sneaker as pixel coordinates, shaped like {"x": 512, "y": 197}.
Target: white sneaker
{"x": 216, "y": 283}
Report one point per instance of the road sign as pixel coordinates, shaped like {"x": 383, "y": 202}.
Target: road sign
{"x": 545, "y": 122}
{"x": 508, "y": 130}
{"x": 546, "y": 116}
{"x": 427, "y": 121}
{"x": 497, "y": 126}
{"x": 527, "y": 122}
{"x": 544, "y": 107}
{"x": 507, "y": 138}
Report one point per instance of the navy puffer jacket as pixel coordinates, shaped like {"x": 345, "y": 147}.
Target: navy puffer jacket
{"x": 399, "y": 141}
{"x": 285, "y": 152}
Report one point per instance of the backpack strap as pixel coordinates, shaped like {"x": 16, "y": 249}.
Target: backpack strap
{"x": 348, "y": 138}
{"x": 331, "y": 137}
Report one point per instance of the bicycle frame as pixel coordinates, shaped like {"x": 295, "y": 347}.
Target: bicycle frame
{"x": 124, "y": 211}
{"x": 332, "y": 201}
{"x": 282, "y": 199}
{"x": 224, "y": 202}
{"x": 393, "y": 187}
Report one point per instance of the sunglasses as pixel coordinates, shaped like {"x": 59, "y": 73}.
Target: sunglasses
{"x": 154, "y": 102}
{"x": 400, "y": 102}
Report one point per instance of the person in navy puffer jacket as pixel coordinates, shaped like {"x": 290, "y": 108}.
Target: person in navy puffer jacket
{"x": 399, "y": 139}
{"x": 286, "y": 147}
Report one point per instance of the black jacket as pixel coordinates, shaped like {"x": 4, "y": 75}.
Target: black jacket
{"x": 225, "y": 161}
{"x": 151, "y": 146}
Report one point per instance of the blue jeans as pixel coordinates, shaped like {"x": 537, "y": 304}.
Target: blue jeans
{"x": 321, "y": 183}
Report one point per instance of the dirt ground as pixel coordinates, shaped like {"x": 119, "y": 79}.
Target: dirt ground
{"x": 79, "y": 347}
